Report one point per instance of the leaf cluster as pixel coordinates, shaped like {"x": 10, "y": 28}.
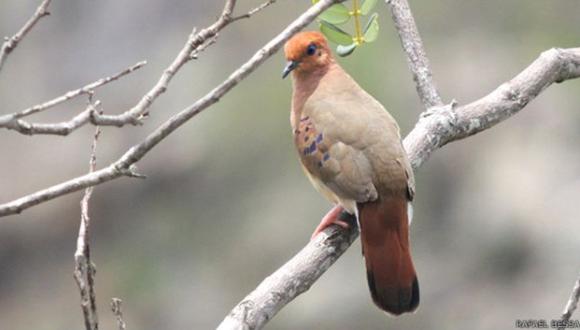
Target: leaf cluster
{"x": 339, "y": 14}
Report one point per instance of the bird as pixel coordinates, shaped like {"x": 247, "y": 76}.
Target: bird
{"x": 351, "y": 150}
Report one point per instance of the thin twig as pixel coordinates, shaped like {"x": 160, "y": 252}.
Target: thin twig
{"x": 10, "y": 121}
{"x": 416, "y": 56}
{"x": 10, "y": 43}
{"x": 254, "y": 11}
{"x": 84, "y": 272}
{"x": 124, "y": 166}
{"x": 571, "y": 305}
{"x": 116, "y": 308}
{"x": 195, "y": 54}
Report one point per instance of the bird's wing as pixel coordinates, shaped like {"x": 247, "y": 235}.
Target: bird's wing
{"x": 333, "y": 140}
{"x": 334, "y": 166}
{"x": 352, "y": 146}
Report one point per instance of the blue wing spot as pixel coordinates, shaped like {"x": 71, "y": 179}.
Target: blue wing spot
{"x": 319, "y": 138}
{"x": 325, "y": 157}
{"x": 310, "y": 149}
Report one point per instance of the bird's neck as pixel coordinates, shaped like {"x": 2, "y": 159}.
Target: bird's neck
{"x": 304, "y": 84}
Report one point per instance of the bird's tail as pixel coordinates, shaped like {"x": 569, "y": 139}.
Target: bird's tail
{"x": 385, "y": 242}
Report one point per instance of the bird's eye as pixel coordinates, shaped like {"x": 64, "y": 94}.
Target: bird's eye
{"x": 311, "y": 49}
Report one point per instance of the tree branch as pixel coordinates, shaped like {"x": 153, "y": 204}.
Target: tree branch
{"x": 416, "y": 56}
{"x": 190, "y": 50}
{"x": 195, "y": 44}
{"x": 10, "y": 43}
{"x": 124, "y": 166}
{"x": 84, "y": 272}
{"x": 254, "y": 11}
{"x": 64, "y": 128}
{"x": 10, "y": 121}
{"x": 116, "y": 308}
{"x": 292, "y": 279}
{"x": 441, "y": 125}
{"x": 435, "y": 128}
{"x": 572, "y": 304}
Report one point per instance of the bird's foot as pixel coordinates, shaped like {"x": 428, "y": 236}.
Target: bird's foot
{"x": 332, "y": 217}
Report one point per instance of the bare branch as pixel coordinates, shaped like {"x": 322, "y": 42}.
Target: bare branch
{"x": 124, "y": 165}
{"x": 441, "y": 125}
{"x": 84, "y": 272}
{"x": 194, "y": 45}
{"x": 254, "y": 11}
{"x": 571, "y": 305}
{"x": 190, "y": 50}
{"x": 116, "y": 308}
{"x": 416, "y": 56}
{"x": 10, "y": 43}
{"x": 64, "y": 128}
{"x": 436, "y": 127}
{"x": 292, "y": 279}
{"x": 11, "y": 121}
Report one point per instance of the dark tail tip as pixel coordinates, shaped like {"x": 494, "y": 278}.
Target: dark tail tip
{"x": 395, "y": 300}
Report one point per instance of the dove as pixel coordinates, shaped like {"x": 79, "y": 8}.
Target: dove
{"x": 350, "y": 149}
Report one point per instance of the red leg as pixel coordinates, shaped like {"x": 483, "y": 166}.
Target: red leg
{"x": 330, "y": 218}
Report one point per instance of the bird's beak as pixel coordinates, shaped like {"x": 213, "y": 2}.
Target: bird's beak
{"x": 291, "y": 65}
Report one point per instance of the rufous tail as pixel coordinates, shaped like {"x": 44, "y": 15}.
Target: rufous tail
{"x": 385, "y": 241}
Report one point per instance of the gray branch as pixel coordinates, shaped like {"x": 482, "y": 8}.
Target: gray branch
{"x": 10, "y": 43}
{"x": 195, "y": 43}
{"x": 571, "y": 305}
{"x": 124, "y": 166}
{"x": 441, "y": 125}
{"x": 90, "y": 114}
{"x": 292, "y": 279}
{"x": 116, "y": 308}
{"x": 10, "y": 121}
{"x": 84, "y": 272}
{"x": 416, "y": 57}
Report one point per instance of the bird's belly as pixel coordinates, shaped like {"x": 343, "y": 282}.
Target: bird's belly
{"x": 348, "y": 204}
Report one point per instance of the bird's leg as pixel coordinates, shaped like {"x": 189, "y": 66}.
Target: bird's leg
{"x": 332, "y": 217}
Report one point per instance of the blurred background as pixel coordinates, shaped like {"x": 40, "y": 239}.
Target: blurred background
{"x": 495, "y": 236}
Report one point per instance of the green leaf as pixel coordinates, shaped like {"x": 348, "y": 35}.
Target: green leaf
{"x": 335, "y": 34}
{"x": 345, "y": 50}
{"x": 372, "y": 28}
{"x": 367, "y": 6}
{"x": 336, "y": 14}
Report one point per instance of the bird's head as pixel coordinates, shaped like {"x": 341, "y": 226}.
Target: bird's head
{"x": 306, "y": 52}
